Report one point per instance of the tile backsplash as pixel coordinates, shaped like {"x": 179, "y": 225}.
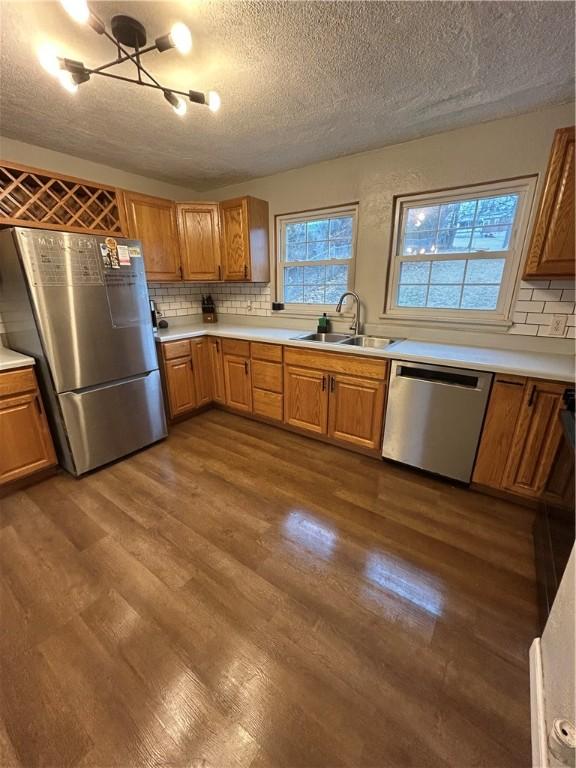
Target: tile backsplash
{"x": 174, "y": 299}
{"x": 538, "y": 301}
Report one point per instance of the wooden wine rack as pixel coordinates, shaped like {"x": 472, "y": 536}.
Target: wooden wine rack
{"x": 34, "y": 198}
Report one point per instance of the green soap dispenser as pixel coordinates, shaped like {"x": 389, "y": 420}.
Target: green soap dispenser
{"x": 323, "y": 324}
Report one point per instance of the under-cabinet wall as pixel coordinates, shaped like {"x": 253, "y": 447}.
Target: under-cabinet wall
{"x": 177, "y": 299}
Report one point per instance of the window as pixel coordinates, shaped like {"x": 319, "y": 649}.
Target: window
{"x": 457, "y": 254}
{"x": 316, "y": 254}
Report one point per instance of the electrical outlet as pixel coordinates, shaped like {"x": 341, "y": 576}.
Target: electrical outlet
{"x": 249, "y": 306}
{"x": 557, "y": 325}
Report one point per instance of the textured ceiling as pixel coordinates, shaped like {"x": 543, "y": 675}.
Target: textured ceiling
{"x": 300, "y": 81}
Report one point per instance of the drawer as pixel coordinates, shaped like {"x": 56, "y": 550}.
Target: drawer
{"x": 236, "y": 347}
{"x": 270, "y": 352}
{"x": 15, "y": 382}
{"x": 267, "y": 376}
{"x": 173, "y": 349}
{"x": 268, "y": 404}
{"x": 332, "y": 362}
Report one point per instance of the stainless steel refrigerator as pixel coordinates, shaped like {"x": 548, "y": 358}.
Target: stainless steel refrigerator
{"x": 79, "y": 305}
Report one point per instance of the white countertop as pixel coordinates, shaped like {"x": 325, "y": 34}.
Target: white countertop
{"x": 10, "y": 359}
{"x": 539, "y": 366}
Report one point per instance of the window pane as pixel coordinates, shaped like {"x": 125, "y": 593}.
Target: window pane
{"x": 480, "y": 296}
{"x": 314, "y": 294}
{"x": 453, "y": 240}
{"x": 293, "y": 294}
{"x": 419, "y": 242}
{"x": 414, "y": 272}
{"x": 412, "y": 295}
{"x": 337, "y": 274}
{"x": 422, "y": 218}
{"x": 448, "y": 271}
{"x": 491, "y": 238}
{"x": 485, "y": 270}
{"x": 314, "y": 275}
{"x": 296, "y": 232}
{"x": 318, "y": 251}
{"x": 496, "y": 210}
{"x": 333, "y": 293}
{"x": 318, "y": 230}
{"x": 340, "y": 249}
{"x": 341, "y": 227}
{"x": 295, "y": 251}
{"x": 293, "y": 275}
{"x": 457, "y": 215}
{"x": 445, "y": 296}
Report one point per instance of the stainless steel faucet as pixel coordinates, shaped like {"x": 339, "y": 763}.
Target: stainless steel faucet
{"x": 356, "y": 326}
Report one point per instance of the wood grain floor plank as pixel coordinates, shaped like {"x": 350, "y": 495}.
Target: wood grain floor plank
{"x": 241, "y": 597}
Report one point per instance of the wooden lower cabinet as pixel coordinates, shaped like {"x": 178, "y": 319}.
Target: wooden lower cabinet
{"x": 217, "y": 370}
{"x": 536, "y": 439}
{"x": 181, "y": 386}
{"x": 306, "y": 399}
{"x": 25, "y": 442}
{"x": 202, "y": 365}
{"x": 237, "y": 382}
{"x": 346, "y": 408}
{"x": 521, "y": 436}
{"x": 356, "y": 410}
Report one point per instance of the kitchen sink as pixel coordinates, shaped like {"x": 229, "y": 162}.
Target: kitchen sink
{"x": 326, "y": 338}
{"x": 374, "y": 342}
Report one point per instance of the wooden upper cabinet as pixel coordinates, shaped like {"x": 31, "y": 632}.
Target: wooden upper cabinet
{"x": 552, "y": 249}
{"x": 306, "y": 399}
{"x": 25, "y": 442}
{"x": 536, "y": 439}
{"x": 199, "y": 229}
{"x": 244, "y": 225}
{"x": 356, "y": 412}
{"x": 152, "y": 220}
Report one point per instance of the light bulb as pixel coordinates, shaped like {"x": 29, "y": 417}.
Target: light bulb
{"x": 181, "y": 37}
{"x": 177, "y": 104}
{"x": 48, "y": 57}
{"x": 77, "y": 10}
{"x": 181, "y": 107}
{"x": 67, "y": 81}
{"x": 214, "y": 101}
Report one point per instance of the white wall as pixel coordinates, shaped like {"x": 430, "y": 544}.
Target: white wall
{"x": 40, "y": 157}
{"x": 500, "y": 149}
{"x": 558, "y": 646}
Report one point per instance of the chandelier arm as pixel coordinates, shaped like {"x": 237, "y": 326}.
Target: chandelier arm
{"x": 154, "y": 85}
{"x": 122, "y": 59}
{"x": 134, "y": 58}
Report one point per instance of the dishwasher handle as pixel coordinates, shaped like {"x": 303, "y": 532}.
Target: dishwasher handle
{"x": 453, "y": 377}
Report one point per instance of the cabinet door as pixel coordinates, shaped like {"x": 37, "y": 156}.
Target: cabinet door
{"x": 552, "y": 251}
{"x": 217, "y": 367}
{"x": 202, "y": 364}
{"x": 152, "y": 220}
{"x": 235, "y": 242}
{"x": 306, "y": 399}
{"x": 237, "y": 382}
{"x": 199, "y": 241}
{"x": 502, "y": 414}
{"x": 536, "y": 439}
{"x": 181, "y": 386}
{"x": 25, "y": 442}
{"x": 356, "y": 410}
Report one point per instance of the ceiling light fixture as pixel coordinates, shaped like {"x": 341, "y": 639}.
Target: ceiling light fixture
{"x": 129, "y": 38}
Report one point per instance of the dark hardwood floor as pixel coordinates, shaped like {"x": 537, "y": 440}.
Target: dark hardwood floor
{"x": 242, "y": 596}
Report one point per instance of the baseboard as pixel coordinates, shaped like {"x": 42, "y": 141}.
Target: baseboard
{"x": 537, "y": 714}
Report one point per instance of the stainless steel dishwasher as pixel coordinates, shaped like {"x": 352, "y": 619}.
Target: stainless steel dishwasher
{"x": 434, "y": 416}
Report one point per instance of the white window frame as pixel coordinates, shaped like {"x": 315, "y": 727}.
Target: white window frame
{"x": 525, "y": 188}
{"x": 321, "y": 213}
